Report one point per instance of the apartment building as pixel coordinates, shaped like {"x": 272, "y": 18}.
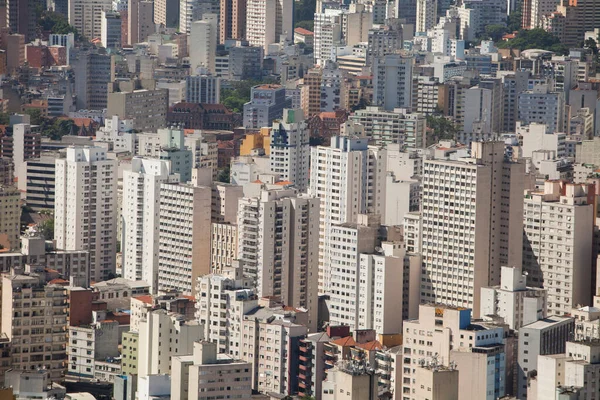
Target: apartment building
{"x": 392, "y": 127}
{"x": 89, "y": 346}
{"x": 40, "y": 186}
{"x": 557, "y": 244}
{"x": 224, "y": 246}
{"x": 456, "y": 197}
{"x": 34, "y": 318}
{"x": 140, "y": 218}
{"x": 541, "y": 338}
{"x": 232, "y": 24}
{"x": 184, "y": 224}
{"x": 281, "y": 262}
{"x": 266, "y": 104}
{"x": 85, "y": 207}
{"x": 204, "y": 31}
{"x": 267, "y": 21}
{"x": 393, "y": 82}
{"x": 86, "y": 16}
{"x": 338, "y": 175}
{"x": 203, "y": 88}
{"x": 512, "y": 300}
{"x": 10, "y": 217}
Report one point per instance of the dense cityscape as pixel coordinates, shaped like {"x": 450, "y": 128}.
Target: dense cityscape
{"x": 299, "y": 199}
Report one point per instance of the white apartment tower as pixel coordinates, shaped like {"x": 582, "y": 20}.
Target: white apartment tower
{"x": 185, "y": 236}
{"x": 465, "y": 212}
{"x": 140, "y": 218}
{"x": 204, "y": 38}
{"x": 393, "y": 81}
{"x": 349, "y": 179}
{"x": 557, "y": 243}
{"x": 86, "y": 16}
{"x": 85, "y": 207}
{"x": 290, "y": 148}
{"x": 426, "y": 15}
{"x": 267, "y": 21}
{"x": 278, "y": 240}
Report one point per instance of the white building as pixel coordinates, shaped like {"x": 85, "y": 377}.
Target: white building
{"x": 541, "y": 338}
{"x": 328, "y": 34}
{"x": 164, "y": 335}
{"x": 290, "y": 148}
{"x": 203, "y": 38}
{"x": 392, "y": 127}
{"x": 185, "y": 237}
{"x": 537, "y": 136}
{"x": 283, "y": 263}
{"x": 557, "y": 243}
{"x": 472, "y": 222}
{"x": 86, "y": 16}
{"x": 89, "y": 344}
{"x": 203, "y": 88}
{"x": 267, "y": 21}
{"x": 140, "y": 218}
{"x": 426, "y": 15}
{"x": 338, "y": 176}
{"x": 206, "y": 374}
{"x": 119, "y": 132}
{"x": 86, "y": 189}
{"x": 393, "y": 81}
{"x": 543, "y": 105}
{"x": 512, "y": 300}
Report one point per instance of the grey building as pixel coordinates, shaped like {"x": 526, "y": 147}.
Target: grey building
{"x": 92, "y": 75}
{"x": 140, "y": 101}
{"x": 203, "y": 89}
{"x": 543, "y": 337}
{"x": 40, "y": 182}
{"x": 245, "y": 62}
{"x": 266, "y": 104}
{"x": 544, "y": 106}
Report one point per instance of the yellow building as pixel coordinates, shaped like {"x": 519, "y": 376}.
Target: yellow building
{"x": 259, "y": 140}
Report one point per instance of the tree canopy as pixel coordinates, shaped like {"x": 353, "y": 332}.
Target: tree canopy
{"x": 304, "y": 13}
{"x": 441, "y": 127}
{"x": 238, "y": 94}
{"x": 52, "y": 128}
{"x": 56, "y": 23}
{"x": 535, "y": 39}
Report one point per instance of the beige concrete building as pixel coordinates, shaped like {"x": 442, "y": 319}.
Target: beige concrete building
{"x": 184, "y": 248}
{"x": 267, "y": 21}
{"x": 348, "y": 382}
{"x": 557, "y": 247}
{"x": 38, "y": 341}
{"x": 207, "y": 375}
{"x": 10, "y": 217}
{"x": 224, "y": 245}
{"x": 232, "y": 20}
{"x": 472, "y": 208}
{"x": 139, "y": 101}
{"x": 225, "y": 197}
{"x": 437, "y": 383}
{"x": 86, "y": 16}
{"x": 282, "y": 262}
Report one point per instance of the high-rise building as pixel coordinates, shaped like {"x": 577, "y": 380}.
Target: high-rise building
{"x": 169, "y": 145}
{"x": 203, "y": 88}
{"x": 267, "y": 21}
{"x": 290, "y": 148}
{"x": 232, "y": 20}
{"x": 541, "y": 338}
{"x": 20, "y": 17}
{"x": 111, "y": 29}
{"x": 207, "y": 371}
{"x": 27, "y": 146}
{"x": 480, "y": 224}
{"x": 560, "y": 259}
{"x": 141, "y": 189}
{"x": 543, "y": 105}
{"x": 92, "y": 77}
{"x": 86, "y": 188}
{"x": 194, "y": 10}
{"x": 185, "y": 237}
{"x": 426, "y": 15}
{"x": 338, "y": 175}
{"x": 512, "y": 300}
{"x": 393, "y": 82}
{"x": 40, "y": 182}
{"x": 10, "y": 217}
{"x": 392, "y": 127}
{"x": 204, "y": 36}
{"x": 163, "y": 335}
{"x": 139, "y": 101}
{"x": 140, "y": 23}
{"x": 282, "y": 263}
{"x": 27, "y": 300}
{"x": 86, "y": 16}
{"x": 328, "y": 34}
{"x": 166, "y": 13}
{"x": 266, "y": 104}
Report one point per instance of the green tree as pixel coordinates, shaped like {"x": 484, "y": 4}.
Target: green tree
{"x": 224, "y": 175}
{"x": 535, "y": 39}
{"x": 56, "y": 23}
{"x": 35, "y": 116}
{"x": 495, "y": 32}
{"x": 304, "y": 10}
{"x": 514, "y": 22}
{"x": 46, "y": 228}
{"x": 4, "y": 119}
{"x": 591, "y": 44}
{"x": 441, "y": 127}
{"x": 238, "y": 94}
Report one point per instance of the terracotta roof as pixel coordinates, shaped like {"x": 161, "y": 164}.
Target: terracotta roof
{"x": 58, "y": 281}
{"x": 327, "y": 114}
{"x": 257, "y": 181}
{"x": 374, "y": 345}
{"x": 145, "y": 298}
{"x": 304, "y": 32}
{"x": 284, "y": 183}
{"x": 345, "y": 341}
{"x": 192, "y": 298}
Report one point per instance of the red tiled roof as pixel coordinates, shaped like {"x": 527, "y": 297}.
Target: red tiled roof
{"x": 304, "y": 32}
{"x": 374, "y": 345}
{"x": 145, "y": 298}
{"x": 345, "y": 341}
